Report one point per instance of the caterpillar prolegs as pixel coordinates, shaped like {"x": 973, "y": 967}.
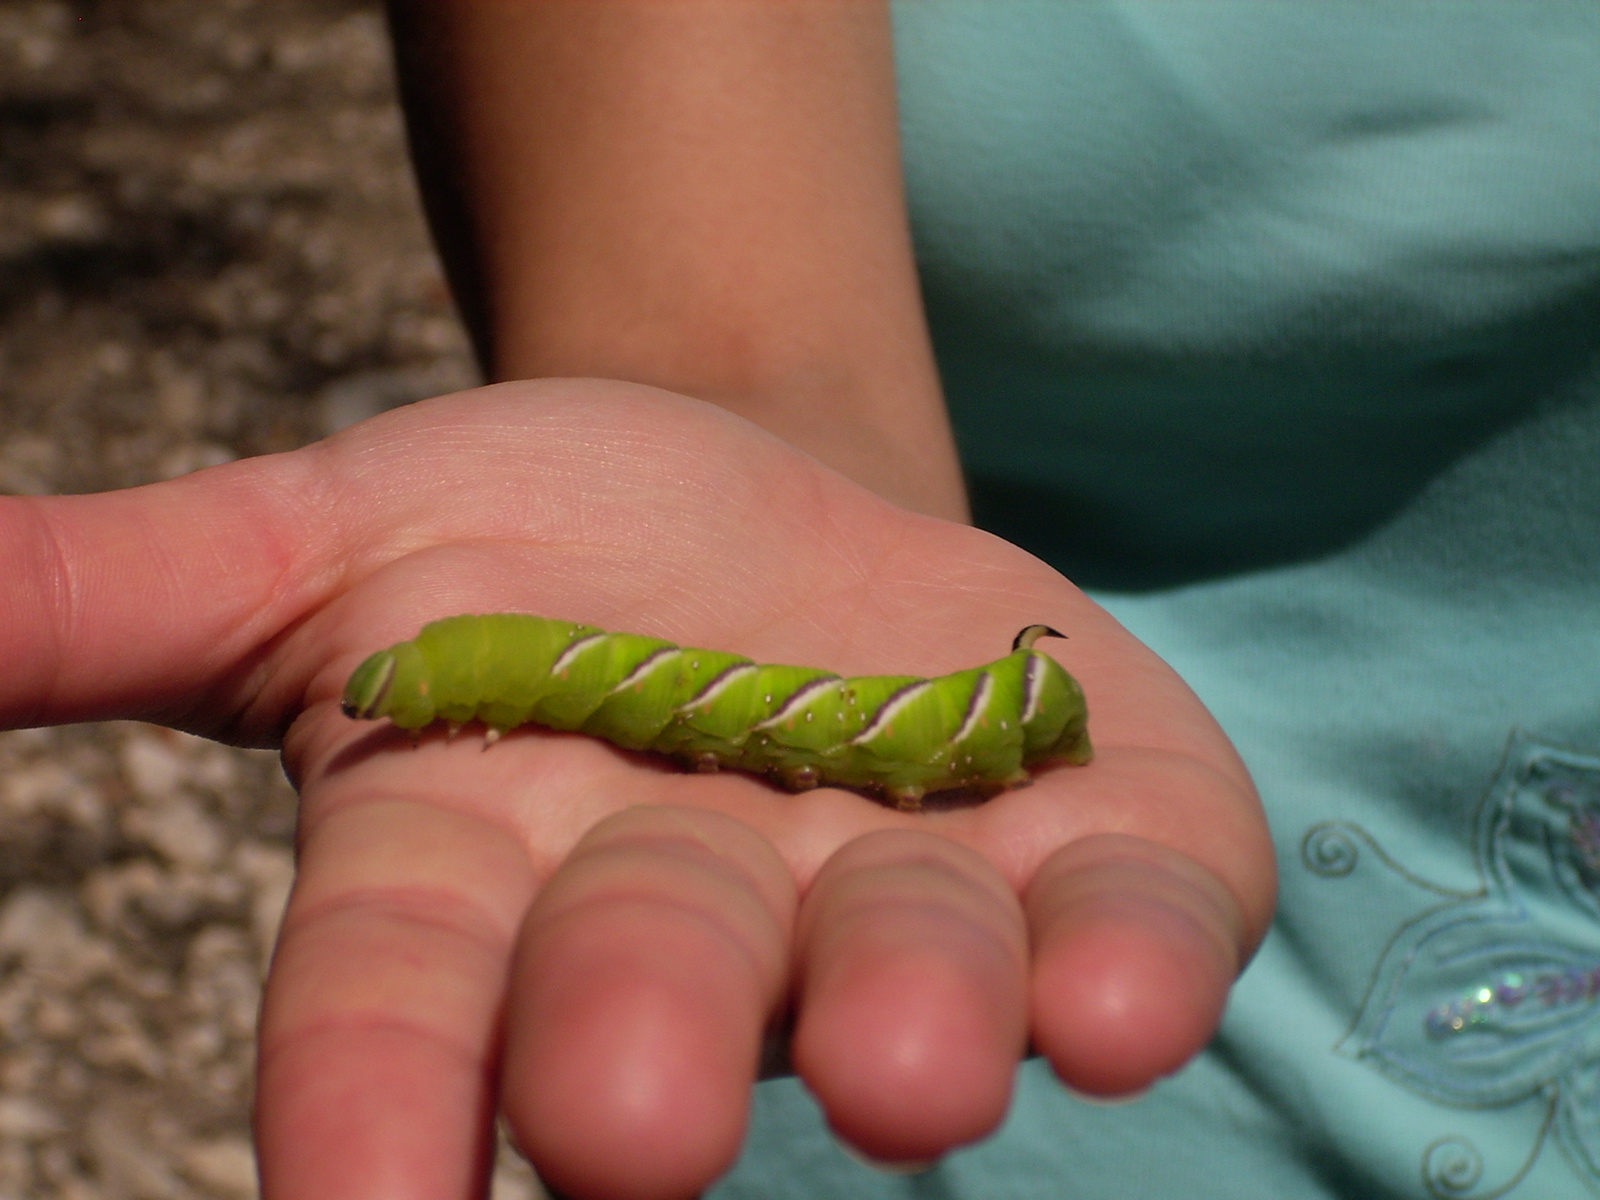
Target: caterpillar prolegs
{"x": 896, "y": 737}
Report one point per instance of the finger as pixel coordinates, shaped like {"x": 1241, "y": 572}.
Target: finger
{"x": 1134, "y": 949}
{"x": 380, "y": 1019}
{"x": 912, "y": 1001}
{"x": 644, "y": 977}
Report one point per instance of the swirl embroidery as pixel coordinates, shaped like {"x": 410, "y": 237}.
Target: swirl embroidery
{"x": 1493, "y": 997}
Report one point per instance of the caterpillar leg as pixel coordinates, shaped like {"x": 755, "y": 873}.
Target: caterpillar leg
{"x": 491, "y": 735}
{"x": 907, "y": 798}
{"x": 798, "y": 779}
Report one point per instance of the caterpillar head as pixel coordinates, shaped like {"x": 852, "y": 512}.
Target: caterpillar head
{"x": 368, "y": 689}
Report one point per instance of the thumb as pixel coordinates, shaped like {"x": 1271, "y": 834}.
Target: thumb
{"x": 143, "y": 603}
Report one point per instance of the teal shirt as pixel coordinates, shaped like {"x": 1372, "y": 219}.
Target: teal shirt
{"x": 1277, "y": 324}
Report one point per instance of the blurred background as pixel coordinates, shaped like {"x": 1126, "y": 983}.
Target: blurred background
{"x": 210, "y": 247}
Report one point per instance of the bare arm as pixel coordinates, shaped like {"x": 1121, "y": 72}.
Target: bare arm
{"x": 703, "y": 195}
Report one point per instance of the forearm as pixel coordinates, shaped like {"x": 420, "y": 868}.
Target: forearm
{"x": 703, "y": 195}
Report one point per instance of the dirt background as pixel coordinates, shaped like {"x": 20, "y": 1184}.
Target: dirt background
{"x": 210, "y": 247}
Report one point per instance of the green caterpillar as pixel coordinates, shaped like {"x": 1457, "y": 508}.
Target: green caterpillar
{"x": 896, "y": 737}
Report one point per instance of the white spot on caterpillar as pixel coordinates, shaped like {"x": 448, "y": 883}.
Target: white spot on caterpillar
{"x": 802, "y": 697}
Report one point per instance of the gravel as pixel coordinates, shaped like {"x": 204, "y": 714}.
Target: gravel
{"x": 210, "y": 247}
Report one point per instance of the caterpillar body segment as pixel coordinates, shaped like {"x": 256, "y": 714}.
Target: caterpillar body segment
{"x": 896, "y": 737}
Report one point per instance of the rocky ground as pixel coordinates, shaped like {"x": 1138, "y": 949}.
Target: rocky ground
{"x": 210, "y": 247}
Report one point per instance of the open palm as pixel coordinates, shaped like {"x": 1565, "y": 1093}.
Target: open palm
{"x": 591, "y": 941}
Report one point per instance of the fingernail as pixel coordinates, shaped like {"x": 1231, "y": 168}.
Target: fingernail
{"x": 887, "y": 1166}
{"x": 1119, "y": 1101}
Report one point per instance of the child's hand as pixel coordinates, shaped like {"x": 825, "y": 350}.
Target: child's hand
{"x": 593, "y": 939}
